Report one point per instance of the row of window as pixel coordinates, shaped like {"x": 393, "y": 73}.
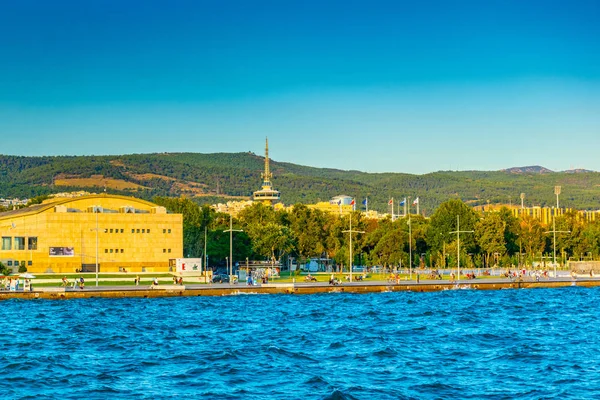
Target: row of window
{"x": 115, "y": 250}
{"x": 18, "y": 243}
{"x": 16, "y": 263}
{"x": 138, "y": 230}
{"x": 121, "y": 250}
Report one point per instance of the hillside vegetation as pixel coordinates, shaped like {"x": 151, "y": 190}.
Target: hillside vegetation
{"x": 222, "y": 176}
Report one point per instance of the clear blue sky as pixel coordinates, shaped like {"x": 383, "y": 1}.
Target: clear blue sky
{"x": 398, "y": 86}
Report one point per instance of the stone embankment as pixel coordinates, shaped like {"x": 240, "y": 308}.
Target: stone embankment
{"x": 288, "y": 288}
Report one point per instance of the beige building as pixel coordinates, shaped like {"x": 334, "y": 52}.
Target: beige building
{"x": 67, "y": 235}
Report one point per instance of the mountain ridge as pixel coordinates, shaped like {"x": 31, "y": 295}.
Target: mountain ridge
{"x": 217, "y": 177}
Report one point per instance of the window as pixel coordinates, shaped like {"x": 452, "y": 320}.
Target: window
{"x": 29, "y": 262}
{"x": 121, "y": 251}
{"x": 32, "y": 243}
{"x": 169, "y": 250}
{"x": 137, "y": 231}
{"x": 117, "y": 251}
{"x": 6, "y": 243}
{"x": 143, "y": 231}
{"x": 111, "y": 231}
{"x": 133, "y": 231}
{"x": 164, "y": 250}
{"x": 148, "y": 231}
{"x": 121, "y": 230}
{"x": 168, "y": 230}
{"x": 164, "y": 231}
{"x": 19, "y": 243}
{"x": 9, "y": 263}
{"x": 111, "y": 250}
{"x": 106, "y": 250}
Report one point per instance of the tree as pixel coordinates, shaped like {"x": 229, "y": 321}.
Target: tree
{"x": 271, "y": 240}
{"x": 389, "y": 249}
{"x": 443, "y": 221}
{"x": 531, "y": 233}
{"x": 307, "y": 230}
{"x": 490, "y": 235}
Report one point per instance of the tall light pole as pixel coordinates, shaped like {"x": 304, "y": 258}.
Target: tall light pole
{"x": 458, "y": 232}
{"x": 205, "y": 254}
{"x": 231, "y": 230}
{"x": 557, "y": 192}
{"x": 350, "y": 231}
{"x": 96, "y": 247}
{"x": 554, "y": 232}
{"x": 410, "y": 261}
{"x": 96, "y": 210}
{"x": 522, "y": 200}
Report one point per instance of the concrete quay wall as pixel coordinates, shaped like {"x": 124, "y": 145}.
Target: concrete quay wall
{"x": 203, "y": 290}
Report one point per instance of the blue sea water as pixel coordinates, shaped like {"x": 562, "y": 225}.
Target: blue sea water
{"x": 504, "y": 344}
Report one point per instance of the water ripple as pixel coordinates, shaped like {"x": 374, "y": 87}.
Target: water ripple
{"x": 511, "y": 344}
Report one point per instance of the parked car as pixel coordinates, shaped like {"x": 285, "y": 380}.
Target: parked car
{"x": 220, "y": 278}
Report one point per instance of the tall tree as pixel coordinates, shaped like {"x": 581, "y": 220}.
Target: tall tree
{"x": 490, "y": 235}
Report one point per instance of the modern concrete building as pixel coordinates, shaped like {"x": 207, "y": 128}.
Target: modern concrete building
{"x": 115, "y": 233}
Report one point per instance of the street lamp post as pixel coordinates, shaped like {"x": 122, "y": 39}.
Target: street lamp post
{"x": 350, "y": 231}
{"x": 231, "y": 230}
{"x": 96, "y": 210}
{"x": 458, "y": 232}
{"x": 554, "y": 232}
{"x": 410, "y": 261}
{"x": 96, "y": 247}
{"x": 205, "y": 254}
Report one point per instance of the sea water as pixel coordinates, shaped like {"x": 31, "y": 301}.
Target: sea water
{"x": 504, "y": 344}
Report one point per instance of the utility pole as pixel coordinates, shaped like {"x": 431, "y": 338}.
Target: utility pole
{"x": 205, "y": 255}
{"x": 554, "y": 232}
{"x": 350, "y": 231}
{"x": 409, "y": 243}
{"x": 458, "y": 232}
{"x": 231, "y": 230}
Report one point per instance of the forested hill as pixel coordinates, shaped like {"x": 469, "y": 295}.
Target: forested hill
{"x": 215, "y": 177}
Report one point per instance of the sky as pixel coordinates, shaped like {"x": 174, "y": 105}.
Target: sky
{"x": 375, "y": 86}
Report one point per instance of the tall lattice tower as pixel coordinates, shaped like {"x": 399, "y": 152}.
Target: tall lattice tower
{"x": 267, "y": 194}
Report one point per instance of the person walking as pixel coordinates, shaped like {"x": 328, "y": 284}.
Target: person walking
{"x": 81, "y": 283}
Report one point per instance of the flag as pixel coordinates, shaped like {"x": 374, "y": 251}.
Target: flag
{"x": 365, "y": 201}
{"x": 352, "y": 202}
{"x": 391, "y": 201}
{"x": 416, "y": 201}
{"x": 339, "y": 202}
{"x": 403, "y": 202}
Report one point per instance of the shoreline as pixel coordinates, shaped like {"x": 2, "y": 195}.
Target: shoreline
{"x": 56, "y": 293}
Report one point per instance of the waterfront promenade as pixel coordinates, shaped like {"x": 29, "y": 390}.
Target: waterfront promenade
{"x": 168, "y": 290}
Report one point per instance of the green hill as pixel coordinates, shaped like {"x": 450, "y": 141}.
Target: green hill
{"x": 210, "y": 178}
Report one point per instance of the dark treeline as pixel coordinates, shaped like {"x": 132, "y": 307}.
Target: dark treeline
{"x": 497, "y": 238}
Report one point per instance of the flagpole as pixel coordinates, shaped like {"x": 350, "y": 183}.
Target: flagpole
{"x": 405, "y": 207}
{"x": 367, "y": 204}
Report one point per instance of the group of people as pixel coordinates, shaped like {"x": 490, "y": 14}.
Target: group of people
{"x": 177, "y": 281}
{"x": 65, "y": 282}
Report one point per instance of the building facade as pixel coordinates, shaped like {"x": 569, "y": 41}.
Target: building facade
{"x": 68, "y": 235}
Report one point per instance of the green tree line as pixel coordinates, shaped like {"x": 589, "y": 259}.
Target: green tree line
{"x": 489, "y": 238}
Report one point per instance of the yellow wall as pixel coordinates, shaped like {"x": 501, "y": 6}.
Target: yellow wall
{"x": 121, "y": 243}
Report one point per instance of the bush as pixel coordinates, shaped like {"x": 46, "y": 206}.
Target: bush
{"x": 22, "y": 268}
{"x": 4, "y": 270}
